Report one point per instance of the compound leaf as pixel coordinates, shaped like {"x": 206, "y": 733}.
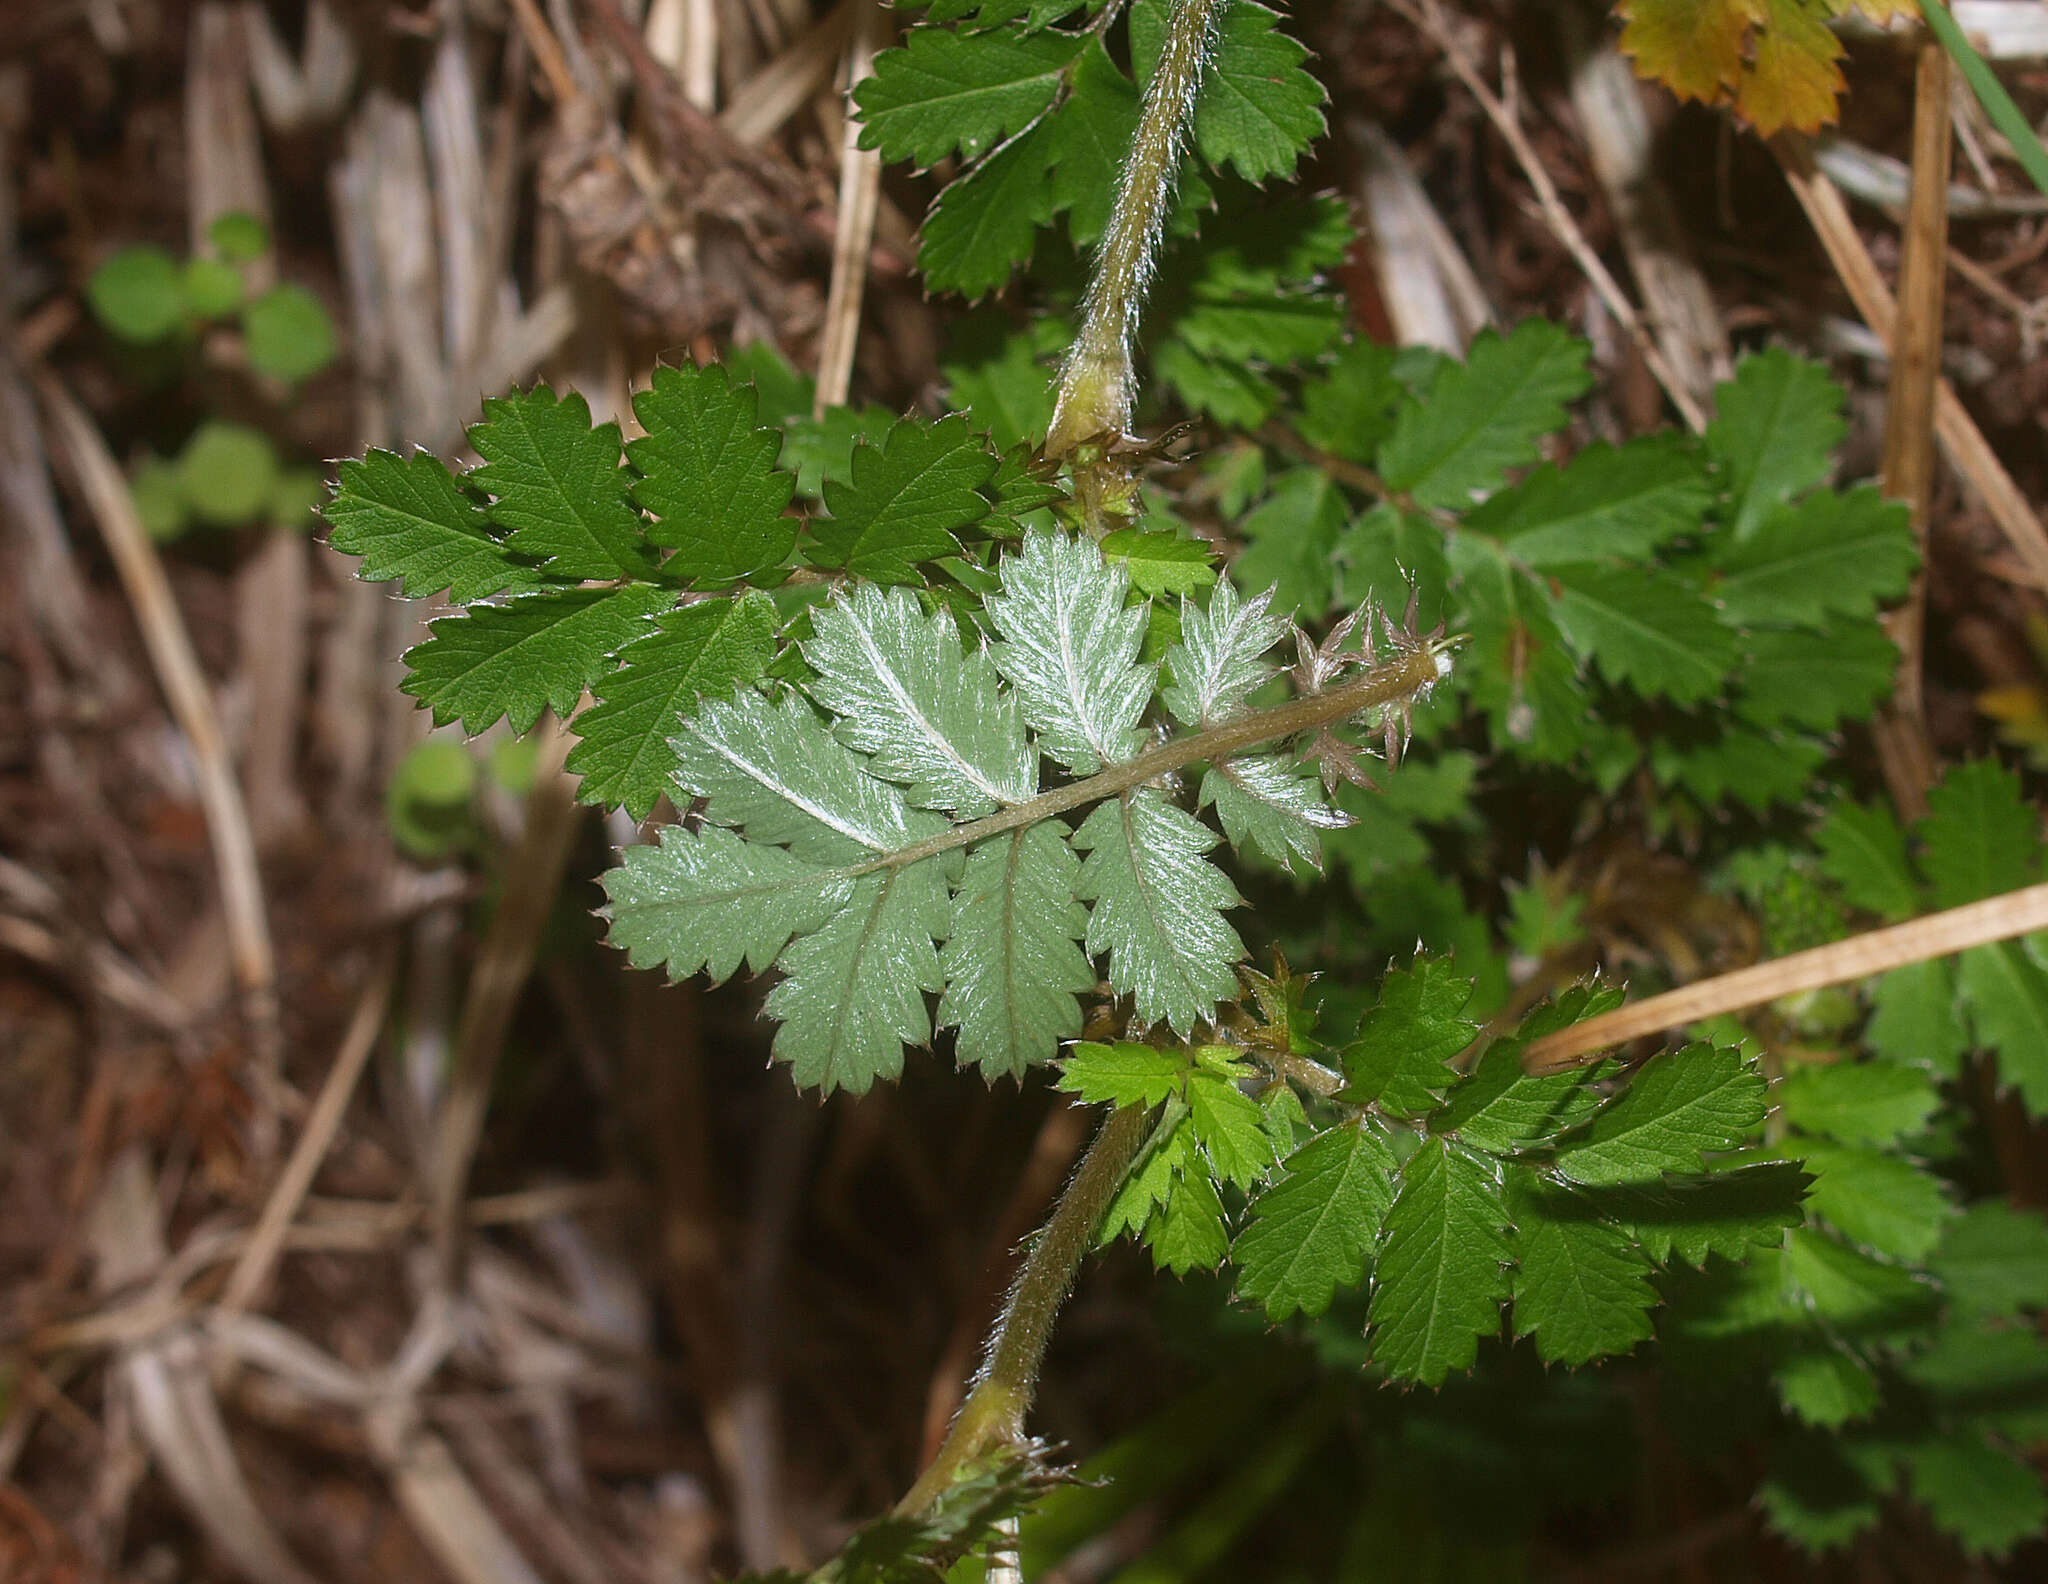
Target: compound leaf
{"x": 1442, "y": 1270}
{"x": 1309, "y": 1232}
{"x": 558, "y": 485}
{"x": 1011, "y": 965}
{"x": 1158, "y": 908}
{"x": 536, "y": 651}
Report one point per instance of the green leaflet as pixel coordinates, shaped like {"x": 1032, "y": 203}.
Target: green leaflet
{"x": 1310, "y": 1231}
{"x": 1980, "y": 837}
{"x": 906, "y": 500}
{"x": 1915, "y": 1018}
{"x": 1863, "y": 851}
{"x": 1858, "y": 1103}
{"x": 773, "y": 770}
{"x": 709, "y": 475}
{"x": 1122, "y": 1074}
{"x": 706, "y": 899}
{"x": 852, "y": 995}
{"x": 1158, "y": 908}
{"x": 1400, "y": 1061}
{"x": 1257, "y": 108}
{"x": 1581, "y": 1285}
{"x": 1986, "y": 1498}
{"x": 1216, "y": 665}
{"x": 1645, "y": 630}
{"x": 1816, "y": 680}
{"x": 1069, "y": 647}
{"x": 1267, "y": 802}
{"x": 1831, "y": 555}
{"x": 1777, "y": 427}
{"x": 1994, "y": 1260}
{"x": 1012, "y": 970}
{"x": 1442, "y": 1270}
{"x": 1732, "y": 1213}
{"x": 927, "y": 714}
{"x": 1228, "y": 1124}
{"x": 1878, "y": 1201}
{"x": 945, "y": 92}
{"x": 536, "y": 651}
{"x": 703, "y": 650}
{"x": 407, "y": 520}
{"x": 1485, "y": 415}
{"x": 1674, "y": 1109}
{"x": 1162, "y": 563}
{"x": 1292, "y": 538}
{"x": 1826, "y": 1385}
{"x": 558, "y": 486}
{"x": 2006, "y": 992}
{"x": 1606, "y": 502}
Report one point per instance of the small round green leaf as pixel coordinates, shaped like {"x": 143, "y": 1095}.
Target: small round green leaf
{"x": 515, "y": 764}
{"x": 138, "y": 294}
{"x": 289, "y": 334}
{"x": 159, "y": 500}
{"x": 212, "y": 290}
{"x": 296, "y": 498}
{"x": 227, "y": 473}
{"x": 426, "y": 801}
{"x": 238, "y": 236}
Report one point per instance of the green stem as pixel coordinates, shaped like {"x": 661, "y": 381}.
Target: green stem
{"x": 993, "y": 1414}
{"x": 1097, "y": 387}
{"x": 1407, "y": 676}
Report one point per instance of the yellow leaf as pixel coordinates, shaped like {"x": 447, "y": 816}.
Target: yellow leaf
{"x": 1792, "y": 79}
{"x": 1772, "y": 61}
{"x": 1693, "y": 47}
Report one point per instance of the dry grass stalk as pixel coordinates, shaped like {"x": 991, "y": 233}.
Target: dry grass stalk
{"x": 860, "y": 186}
{"x": 1428, "y": 16}
{"x": 191, "y": 701}
{"x": 533, "y": 872}
{"x": 1961, "y": 440}
{"x": 259, "y": 1256}
{"x": 1874, "y": 952}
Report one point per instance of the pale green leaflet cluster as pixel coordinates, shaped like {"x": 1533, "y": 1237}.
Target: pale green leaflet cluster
{"x": 808, "y": 857}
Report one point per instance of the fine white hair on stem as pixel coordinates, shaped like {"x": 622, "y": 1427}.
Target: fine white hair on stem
{"x": 1096, "y": 387}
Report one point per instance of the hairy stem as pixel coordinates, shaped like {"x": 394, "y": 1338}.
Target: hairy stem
{"x": 1405, "y": 677}
{"x": 1097, "y": 388}
{"x": 993, "y": 1414}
